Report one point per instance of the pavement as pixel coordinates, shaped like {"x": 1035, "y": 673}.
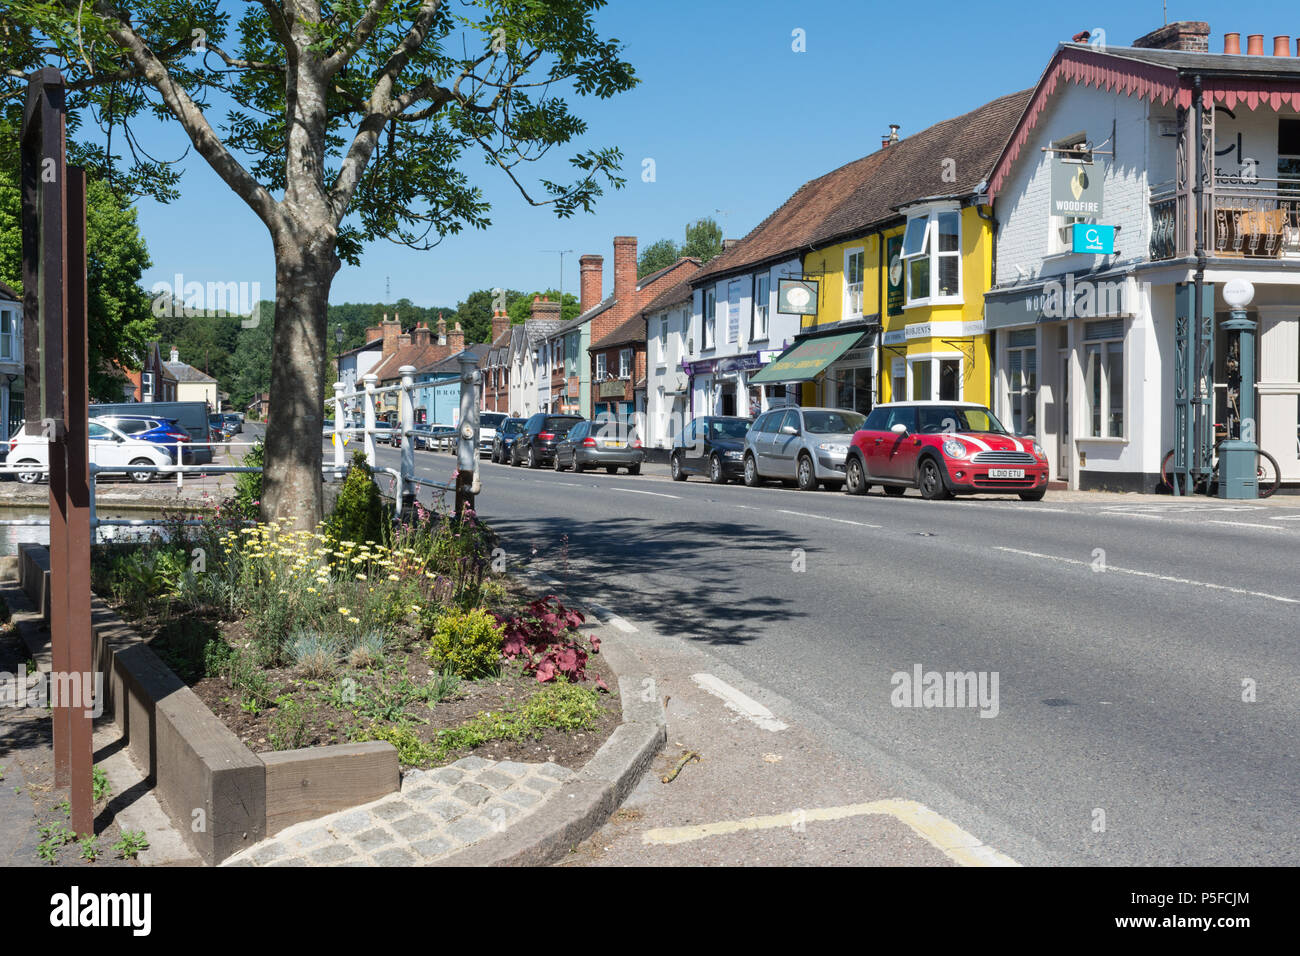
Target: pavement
{"x": 435, "y": 814}
{"x": 1144, "y": 647}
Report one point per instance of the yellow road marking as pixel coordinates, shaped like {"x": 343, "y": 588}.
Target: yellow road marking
{"x": 941, "y": 833}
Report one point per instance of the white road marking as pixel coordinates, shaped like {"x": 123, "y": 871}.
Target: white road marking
{"x": 801, "y": 514}
{"x": 940, "y": 832}
{"x": 634, "y": 491}
{"x": 1286, "y": 517}
{"x": 1245, "y": 524}
{"x": 1152, "y": 574}
{"x": 609, "y": 617}
{"x": 747, "y": 707}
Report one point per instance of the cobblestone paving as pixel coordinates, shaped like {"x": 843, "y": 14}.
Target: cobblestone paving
{"x": 437, "y": 812}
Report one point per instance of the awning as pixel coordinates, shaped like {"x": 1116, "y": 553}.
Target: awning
{"x": 805, "y": 360}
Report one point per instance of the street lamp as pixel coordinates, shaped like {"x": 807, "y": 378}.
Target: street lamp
{"x": 1239, "y": 456}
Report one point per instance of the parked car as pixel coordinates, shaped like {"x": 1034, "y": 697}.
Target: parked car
{"x": 536, "y": 444}
{"x": 504, "y": 440}
{"x": 111, "y": 449}
{"x": 488, "y": 423}
{"x": 943, "y": 449}
{"x": 806, "y": 446}
{"x": 160, "y": 431}
{"x": 713, "y": 445}
{"x": 439, "y": 437}
{"x": 598, "y": 445}
{"x": 190, "y": 416}
{"x": 216, "y": 427}
{"x": 235, "y": 423}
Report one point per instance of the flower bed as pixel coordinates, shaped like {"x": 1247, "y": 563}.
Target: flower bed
{"x": 364, "y": 629}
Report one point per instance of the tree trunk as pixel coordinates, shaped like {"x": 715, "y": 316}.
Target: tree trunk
{"x": 291, "y": 479}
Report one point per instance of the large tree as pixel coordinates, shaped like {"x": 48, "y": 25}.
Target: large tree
{"x": 336, "y": 123}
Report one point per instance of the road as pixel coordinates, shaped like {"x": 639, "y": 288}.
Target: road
{"x": 1145, "y": 649}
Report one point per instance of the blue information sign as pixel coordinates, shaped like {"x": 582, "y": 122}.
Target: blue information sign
{"x": 1096, "y": 240}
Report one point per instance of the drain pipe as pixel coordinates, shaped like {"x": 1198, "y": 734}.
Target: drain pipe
{"x": 1198, "y": 203}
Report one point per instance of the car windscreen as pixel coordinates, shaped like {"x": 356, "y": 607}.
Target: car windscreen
{"x": 559, "y": 426}
{"x": 946, "y": 418}
{"x": 728, "y": 429}
{"x": 832, "y": 423}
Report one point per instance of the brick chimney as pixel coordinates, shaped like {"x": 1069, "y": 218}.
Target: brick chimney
{"x": 391, "y": 329}
{"x": 403, "y": 338}
{"x": 592, "y": 268}
{"x": 1192, "y": 36}
{"x": 500, "y": 323}
{"x": 455, "y": 339}
{"x": 374, "y": 332}
{"x": 544, "y": 308}
{"x": 421, "y": 335}
{"x": 624, "y": 268}
{"x": 442, "y": 330}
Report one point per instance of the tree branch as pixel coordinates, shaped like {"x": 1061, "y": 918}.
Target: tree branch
{"x": 360, "y": 34}
{"x": 191, "y": 118}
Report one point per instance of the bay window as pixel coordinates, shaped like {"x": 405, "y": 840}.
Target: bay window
{"x": 932, "y": 256}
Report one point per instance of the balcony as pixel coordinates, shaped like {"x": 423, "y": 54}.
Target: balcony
{"x": 1260, "y": 220}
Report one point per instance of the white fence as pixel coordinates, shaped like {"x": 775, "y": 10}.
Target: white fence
{"x": 405, "y": 482}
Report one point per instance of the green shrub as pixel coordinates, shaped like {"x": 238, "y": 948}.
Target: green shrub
{"x": 411, "y": 750}
{"x": 358, "y": 513}
{"x": 467, "y": 643}
{"x": 248, "y": 485}
{"x": 288, "y": 729}
{"x": 315, "y": 655}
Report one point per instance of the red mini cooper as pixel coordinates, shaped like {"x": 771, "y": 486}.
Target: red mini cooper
{"x": 942, "y": 449}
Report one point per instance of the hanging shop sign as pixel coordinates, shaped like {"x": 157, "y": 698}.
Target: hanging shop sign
{"x": 796, "y": 296}
{"x": 1093, "y": 240}
{"x": 1077, "y": 188}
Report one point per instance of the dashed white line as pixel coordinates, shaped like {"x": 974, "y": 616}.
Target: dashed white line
{"x": 747, "y": 707}
{"x": 802, "y": 514}
{"x": 609, "y": 617}
{"x": 1151, "y": 574}
{"x": 634, "y": 491}
{"x": 1244, "y": 524}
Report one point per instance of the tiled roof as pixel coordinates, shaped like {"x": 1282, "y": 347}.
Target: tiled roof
{"x": 187, "y": 373}
{"x": 1187, "y": 61}
{"x": 376, "y": 344}
{"x": 452, "y": 364}
{"x": 681, "y": 292}
{"x": 867, "y": 191}
{"x": 419, "y": 356}
{"x": 633, "y": 330}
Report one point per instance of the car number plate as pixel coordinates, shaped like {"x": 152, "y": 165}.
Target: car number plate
{"x": 615, "y": 444}
{"x": 1006, "y": 472}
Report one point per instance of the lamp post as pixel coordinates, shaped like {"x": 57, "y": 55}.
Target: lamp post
{"x": 1239, "y": 455}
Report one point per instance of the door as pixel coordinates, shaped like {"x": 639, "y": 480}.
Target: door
{"x": 105, "y": 449}
{"x": 785, "y": 448}
{"x": 895, "y": 456}
{"x": 693, "y": 446}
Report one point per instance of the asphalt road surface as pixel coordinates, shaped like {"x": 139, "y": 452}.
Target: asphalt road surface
{"x": 1144, "y": 649}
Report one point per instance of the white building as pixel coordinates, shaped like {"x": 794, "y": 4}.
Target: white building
{"x": 1086, "y": 343}
{"x": 668, "y": 323}
{"x": 12, "y": 380}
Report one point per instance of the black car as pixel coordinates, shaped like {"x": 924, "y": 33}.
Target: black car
{"x": 712, "y": 445}
{"x": 536, "y": 444}
{"x": 504, "y": 440}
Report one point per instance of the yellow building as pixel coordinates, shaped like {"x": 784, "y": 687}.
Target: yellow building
{"x": 896, "y": 269}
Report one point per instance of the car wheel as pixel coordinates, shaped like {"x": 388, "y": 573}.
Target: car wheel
{"x": 611, "y": 469}
{"x": 558, "y": 466}
{"x": 716, "y": 474}
{"x": 675, "y": 467}
{"x": 514, "y": 458}
{"x": 855, "y": 479}
{"x": 532, "y": 458}
{"x": 929, "y": 480}
{"x": 578, "y": 467}
{"x": 752, "y": 478}
{"x": 894, "y": 491}
{"x": 141, "y": 477}
{"x": 634, "y": 469}
{"x": 29, "y": 477}
{"x": 807, "y": 477}
{"x": 1033, "y": 495}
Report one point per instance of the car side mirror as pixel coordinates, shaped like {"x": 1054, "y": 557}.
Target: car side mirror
{"x": 899, "y": 429}
{"x": 789, "y": 430}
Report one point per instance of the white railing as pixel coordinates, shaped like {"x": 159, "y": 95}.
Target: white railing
{"x": 405, "y": 481}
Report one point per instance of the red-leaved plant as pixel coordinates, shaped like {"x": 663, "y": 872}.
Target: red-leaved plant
{"x": 545, "y": 638}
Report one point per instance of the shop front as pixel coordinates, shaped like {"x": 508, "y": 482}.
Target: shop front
{"x": 727, "y": 386}
{"x": 833, "y": 369}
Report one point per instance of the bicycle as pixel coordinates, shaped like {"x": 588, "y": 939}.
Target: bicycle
{"x": 1267, "y": 473}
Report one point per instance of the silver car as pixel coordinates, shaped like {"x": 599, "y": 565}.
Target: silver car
{"x": 800, "y": 445}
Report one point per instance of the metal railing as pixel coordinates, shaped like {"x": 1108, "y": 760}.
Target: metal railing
{"x": 405, "y": 481}
{"x": 1255, "y": 220}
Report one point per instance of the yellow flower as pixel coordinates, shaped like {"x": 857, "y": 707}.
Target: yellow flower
{"x": 344, "y": 611}
{"x": 394, "y": 577}
{"x": 361, "y": 577}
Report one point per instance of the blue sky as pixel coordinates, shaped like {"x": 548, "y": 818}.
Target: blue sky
{"x": 732, "y": 116}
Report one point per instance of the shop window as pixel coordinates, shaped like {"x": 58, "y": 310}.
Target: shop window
{"x": 1022, "y": 381}
{"x": 1103, "y": 377}
{"x": 854, "y": 389}
{"x": 921, "y": 381}
{"x": 949, "y": 380}
{"x": 932, "y": 256}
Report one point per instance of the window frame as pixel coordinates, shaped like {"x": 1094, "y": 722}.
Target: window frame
{"x": 930, "y": 251}
{"x": 1104, "y": 415}
{"x": 761, "y": 304}
{"x": 710, "y": 319}
{"x": 859, "y": 253}
{"x": 602, "y": 367}
{"x": 625, "y": 369}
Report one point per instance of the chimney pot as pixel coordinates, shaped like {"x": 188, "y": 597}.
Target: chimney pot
{"x": 1232, "y": 43}
{"x": 884, "y": 141}
{"x": 1255, "y": 44}
{"x": 1282, "y": 45}
{"x": 893, "y": 132}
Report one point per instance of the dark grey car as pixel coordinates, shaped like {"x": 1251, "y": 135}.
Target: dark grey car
{"x": 598, "y": 445}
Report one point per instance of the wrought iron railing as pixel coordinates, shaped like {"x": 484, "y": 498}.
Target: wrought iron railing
{"x": 1259, "y": 220}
